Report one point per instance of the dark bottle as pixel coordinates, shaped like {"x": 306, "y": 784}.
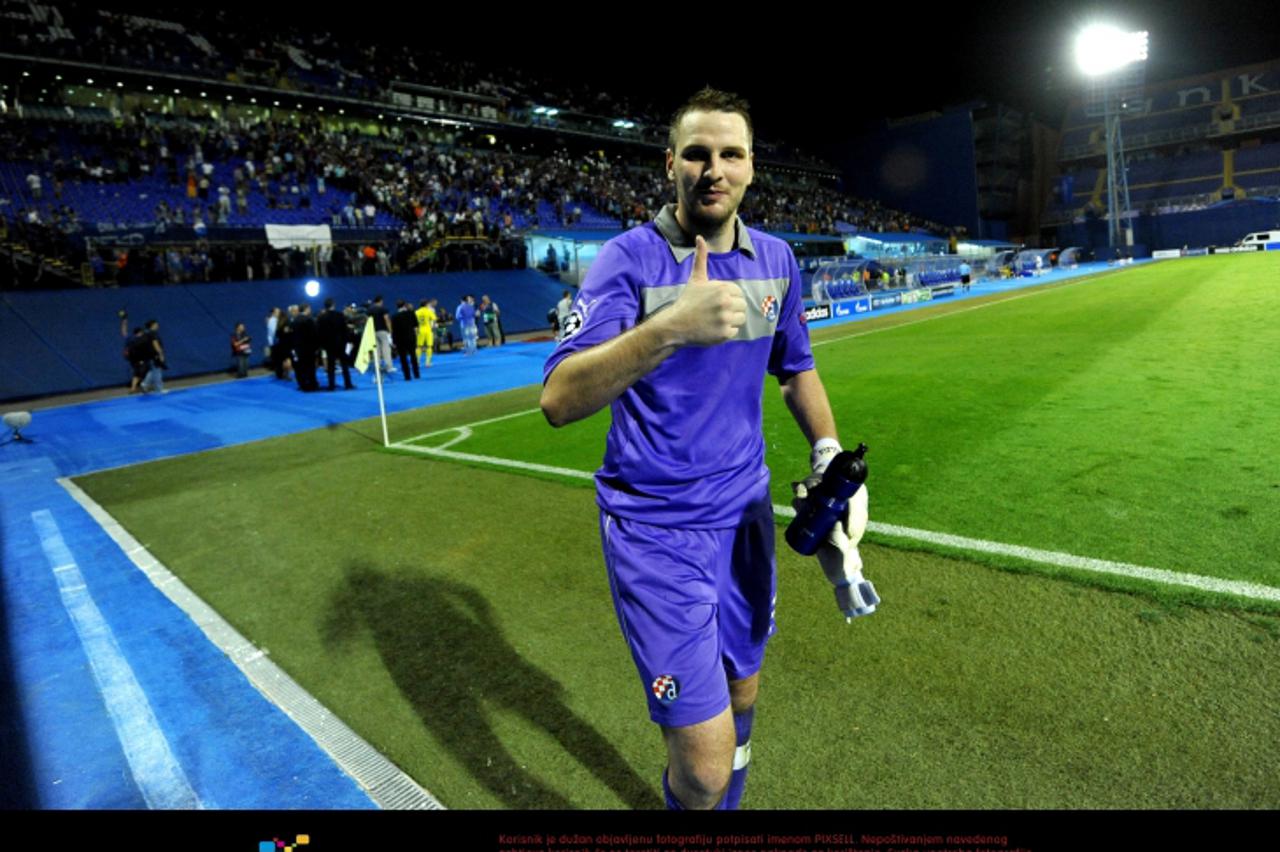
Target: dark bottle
{"x": 826, "y": 502}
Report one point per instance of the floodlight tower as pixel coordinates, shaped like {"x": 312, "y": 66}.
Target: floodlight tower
{"x": 1114, "y": 61}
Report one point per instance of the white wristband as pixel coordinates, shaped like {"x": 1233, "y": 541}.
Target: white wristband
{"x": 824, "y": 450}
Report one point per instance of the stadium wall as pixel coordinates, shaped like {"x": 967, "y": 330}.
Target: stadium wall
{"x": 1222, "y": 226}
{"x": 69, "y": 340}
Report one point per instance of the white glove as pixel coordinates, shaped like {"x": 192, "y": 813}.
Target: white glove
{"x": 838, "y": 555}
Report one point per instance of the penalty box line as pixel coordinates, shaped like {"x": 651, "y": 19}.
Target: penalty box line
{"x": 1252, "y": 591}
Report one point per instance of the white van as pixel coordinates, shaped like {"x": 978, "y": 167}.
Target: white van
{"x": 1260, "y": 238}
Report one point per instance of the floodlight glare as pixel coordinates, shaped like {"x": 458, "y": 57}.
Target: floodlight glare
{"x": 313, "y": 288}
{"x": 1101, "y": 49}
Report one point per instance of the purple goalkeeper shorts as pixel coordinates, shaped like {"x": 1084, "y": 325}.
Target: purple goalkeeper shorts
{"x": 695, "y": 606}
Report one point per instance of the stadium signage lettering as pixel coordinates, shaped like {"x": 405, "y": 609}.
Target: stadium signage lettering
{"x": 886, "y": 301}
{"x": 1249, "y": 83}
{"x": 817, "y": 313}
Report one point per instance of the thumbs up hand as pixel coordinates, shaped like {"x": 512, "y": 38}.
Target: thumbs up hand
{"x": 707, "y": 312}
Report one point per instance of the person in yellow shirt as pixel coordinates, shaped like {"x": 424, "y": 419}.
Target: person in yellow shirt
{"x": 426, "y": 330}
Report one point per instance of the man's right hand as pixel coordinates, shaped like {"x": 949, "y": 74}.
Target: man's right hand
{"x": 707, "y": 312}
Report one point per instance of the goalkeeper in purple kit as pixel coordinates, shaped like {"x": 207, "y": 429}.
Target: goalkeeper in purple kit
{"x": 675, "y": 326}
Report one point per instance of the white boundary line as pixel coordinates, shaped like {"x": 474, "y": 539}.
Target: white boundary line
{"x": 383, "y": 781}
{"x": 468, "y": 427}
{"x": 1239, "y": 588}
{"x": 1046, "y": 287}
{"x": 154, "y": 767}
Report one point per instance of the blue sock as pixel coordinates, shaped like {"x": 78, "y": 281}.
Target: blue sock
{"x": 741, "y": 759}
{"x": 673, "y": 804}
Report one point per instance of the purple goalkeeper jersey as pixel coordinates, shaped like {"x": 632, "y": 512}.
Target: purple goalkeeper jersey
{"x": 686, "y": 448}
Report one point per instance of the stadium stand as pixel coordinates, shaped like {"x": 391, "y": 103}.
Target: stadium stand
{"x": 1202, "y": 144}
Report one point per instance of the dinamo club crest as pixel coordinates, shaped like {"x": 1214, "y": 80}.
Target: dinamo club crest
{"x": 769, "y": 307}
{"x": 665, "y": 688}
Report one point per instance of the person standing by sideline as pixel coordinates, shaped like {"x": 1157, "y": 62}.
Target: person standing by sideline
{"x": 241, "y": 349}
{"x": 467, "y": 323}
{"x": 331, "y": 328}
{"x": 154, "y": 380}
{"x": 564, "y": 310}
{"x": 490, "y": 316}
{"x": 404, "y": 333}
{"x": 382, "y": 330}
{"x": 427, "y": 319}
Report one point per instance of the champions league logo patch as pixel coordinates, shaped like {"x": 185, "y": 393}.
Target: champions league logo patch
{"x": 769, "y": 307}
{"x": 665, "y": 688}
{"x": 573, "y": 324}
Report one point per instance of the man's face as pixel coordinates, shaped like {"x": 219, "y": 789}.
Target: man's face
{"x": 711, "y": 166}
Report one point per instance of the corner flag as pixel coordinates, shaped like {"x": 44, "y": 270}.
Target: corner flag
{"x": 367, "y": 346}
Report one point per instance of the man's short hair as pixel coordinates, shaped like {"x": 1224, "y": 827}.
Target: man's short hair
{"x": 710, "y": 100}
{"x": 328, "y": 303}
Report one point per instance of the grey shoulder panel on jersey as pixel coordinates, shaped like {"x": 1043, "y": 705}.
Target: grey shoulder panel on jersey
{"x": 764, "y": 303}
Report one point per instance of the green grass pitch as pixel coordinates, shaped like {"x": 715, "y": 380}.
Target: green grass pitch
{"x": 457, "y": 615}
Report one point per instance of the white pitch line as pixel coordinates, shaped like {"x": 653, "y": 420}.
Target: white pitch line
{"x": 1254, "y": 591}
{"x": 1239, "y": 588}
{"x": 494, "y": 460}
{"x": 470, "y": 425}
{"x": 1039, "y": 291}
{"x": 382, "y": 780}
{"x": 151, "y": 761}
{"x": 464, "y": 432}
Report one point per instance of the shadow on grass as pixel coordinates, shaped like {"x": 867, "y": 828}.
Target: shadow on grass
{"x": 446, "y": 653}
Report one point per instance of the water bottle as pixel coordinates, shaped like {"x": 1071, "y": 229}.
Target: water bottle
{"x": 826, "y": 502}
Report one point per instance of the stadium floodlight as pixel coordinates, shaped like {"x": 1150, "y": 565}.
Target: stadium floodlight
{"x": 1114, "y": 63}
{"x": 313, "y": 288}
{"x": 553, "y": 112}
{"x": 539, "y": 110}
{"x": 1101, "y": 49}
